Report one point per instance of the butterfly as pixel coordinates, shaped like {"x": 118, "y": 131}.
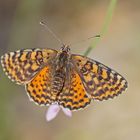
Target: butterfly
{"x": 70, "y": 80}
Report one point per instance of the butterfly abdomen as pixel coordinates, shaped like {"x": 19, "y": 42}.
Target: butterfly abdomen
{"x": 59, "y": 74}
{"x": 58, "y": 81}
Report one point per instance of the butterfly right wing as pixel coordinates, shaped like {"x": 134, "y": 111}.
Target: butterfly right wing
{"x": 21, "y": 66}
{"x": 39, "y": 88}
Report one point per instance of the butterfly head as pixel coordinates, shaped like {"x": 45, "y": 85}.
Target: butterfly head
{"x": 65, "y": 49}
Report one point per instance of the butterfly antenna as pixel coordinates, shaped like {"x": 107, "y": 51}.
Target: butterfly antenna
{"x": 50, "y": 30}
{"x": 96, "y": 36}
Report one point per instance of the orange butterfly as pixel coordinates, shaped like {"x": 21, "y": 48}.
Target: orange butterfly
{"x": 69, "y": 80}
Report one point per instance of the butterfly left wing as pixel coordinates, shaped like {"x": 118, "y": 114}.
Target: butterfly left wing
{"x": 21, "y": 66}
{"x": 73, "y": 95}
{"x": 100, "y": 81}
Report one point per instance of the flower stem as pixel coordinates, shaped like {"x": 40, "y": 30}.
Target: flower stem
{"x": 104, "y": 28}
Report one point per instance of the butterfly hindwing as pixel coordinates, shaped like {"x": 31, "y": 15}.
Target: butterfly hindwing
{"x": 22, "y": 65}
{"x": 73, "y": 95}
{"x": 39, "y": 88}
{"x": 100, "y": 81}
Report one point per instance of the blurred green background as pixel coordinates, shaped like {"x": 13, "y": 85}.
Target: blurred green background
{"x": 72, "y": 21}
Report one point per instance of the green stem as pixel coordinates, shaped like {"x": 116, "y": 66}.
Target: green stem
{"x": 105, "y": 26}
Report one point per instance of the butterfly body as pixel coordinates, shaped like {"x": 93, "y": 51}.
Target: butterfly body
{"x": 59, "y": 72}
{"x": 70, "y": 80}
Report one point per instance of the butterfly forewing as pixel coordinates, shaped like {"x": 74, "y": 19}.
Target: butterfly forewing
{"x": 100, "y": 81}
{"x": 21, "y": 66}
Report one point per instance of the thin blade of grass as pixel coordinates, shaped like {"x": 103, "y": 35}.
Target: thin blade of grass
{"x": 105, "y": 27}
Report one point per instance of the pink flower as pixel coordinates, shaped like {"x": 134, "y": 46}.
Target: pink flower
{"x": 54, "y": 109}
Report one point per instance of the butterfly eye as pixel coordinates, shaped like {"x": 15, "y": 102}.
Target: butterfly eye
{"x": 68, "y": 49}
{"x": 63, "y": 48}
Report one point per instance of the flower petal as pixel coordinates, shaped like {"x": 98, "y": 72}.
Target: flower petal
{"x": 52, "y": 112}
{"x": 67, "y": 112}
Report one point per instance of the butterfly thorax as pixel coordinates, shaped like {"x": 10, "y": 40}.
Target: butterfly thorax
{"x": 59, "y": 73}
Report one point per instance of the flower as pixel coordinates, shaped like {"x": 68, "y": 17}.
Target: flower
{"x": 54, "y": 109}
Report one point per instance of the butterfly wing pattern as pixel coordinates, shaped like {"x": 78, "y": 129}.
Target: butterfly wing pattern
{"x": 31, "y": 67}
{"x": 70, "y": 80}
{"x": 74, "y": 96}
{"x": 21, "y": 66}
{"x": 39, "y": 87}
{"x": 100, "y": 81}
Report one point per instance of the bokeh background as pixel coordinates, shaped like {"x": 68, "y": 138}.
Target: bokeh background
{"x": 72, "y": 21}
